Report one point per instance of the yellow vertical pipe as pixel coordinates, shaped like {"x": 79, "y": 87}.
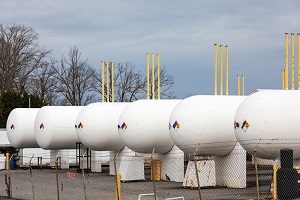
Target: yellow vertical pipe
{"x": 103, "y": 80}
{"x": 216, "y": 70}
{"x": 298, "y": 36}
{"x": 238, "y": 85}
{"x": 107, "y": 81}
{"x": 243, "y": 85}
{"x": 286, "y": 61}
{"x": 293, "y": 60}
{"x": 282, "y": 79}
{"x": 7, "y": 161}
{"x": 112, "y": 83}
{"x": 158, "y": 76}
{"x": 227, "y": 68}
{"x": 153, "y": 79}
{"x": 118, "y": 187}
{"x": 275, "y": 169}
{"x": 148, "y": 75}
{"x": 221, "y": 69}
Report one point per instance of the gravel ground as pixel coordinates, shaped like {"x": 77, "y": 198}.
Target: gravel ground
{"x": 101, "y": 186}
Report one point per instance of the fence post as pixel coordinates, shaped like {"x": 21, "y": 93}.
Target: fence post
{"x": 275, "y": 169}
{"x": 256, "y": 175}
{"x": 197, "y": 172}
{"x": 57, "y": 181}
{"x": 152, "y": 172}
{"x": 117, "y": 177}
{"x": 83, "y": 176}
{"x": 118, "y": 189}
{"x": 31, "y": 179}
{"x": 7, "y": 176}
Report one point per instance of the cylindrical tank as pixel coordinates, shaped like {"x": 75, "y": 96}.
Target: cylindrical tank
{"x": 143, "y": 125}
{"x": 202, "y": 124}
{"x": 20, "y": 127}
{"x": 267, "y": 121}
{"x": 97, "y": 126}
{"x": 54, "y": 127}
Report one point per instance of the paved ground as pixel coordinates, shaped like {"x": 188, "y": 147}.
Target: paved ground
{"x": 101, "y": 186}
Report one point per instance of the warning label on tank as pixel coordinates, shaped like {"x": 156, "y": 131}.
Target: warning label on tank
{"x": 42, "y": 126}
{"x": 123, "y": 126}
{"x": 245, "y": 126}
{"x": 80, "y": 125}
{"x": 175, "y": 125}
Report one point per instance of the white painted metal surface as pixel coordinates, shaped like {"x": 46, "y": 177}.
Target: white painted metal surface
{"x": 203, "y": 124}
{"x": 20, "y": 127}
{"x": 54, "y": 127}
{"x": 206, "y": 172}
{"x": 27, "y": 153}
{"x": 267, "y": 121}
{"x": 143, "y": 125}
{"x": 2, "y": 162}
{"x": 4, "y": 142}
{"x": 172, "y": 165}
{"x": 97, "y": 126}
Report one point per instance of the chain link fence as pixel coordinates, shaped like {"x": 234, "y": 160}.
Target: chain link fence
{"x": 160, "y": 177}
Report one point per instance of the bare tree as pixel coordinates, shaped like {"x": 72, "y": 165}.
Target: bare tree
{"x": 75, "y": 79}
{"x": 130, "y": 84}
{"x": 43, "y": 83}
{"x": 166, "y": 84}
{"x": 20, "y": 55}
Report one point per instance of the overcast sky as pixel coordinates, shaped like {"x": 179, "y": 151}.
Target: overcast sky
{"x": 182, "y": 31}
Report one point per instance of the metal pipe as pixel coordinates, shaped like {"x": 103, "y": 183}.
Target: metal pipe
{"x": 293, "y": 61}
{"x": 158, "y": 76}
{"x": 275, "y": 169}
{"x": 112, "y": 83}
{"x": 148, "y": 75}
{"x": 153, "y": 79}
{"x": 118, "y": 195}
{"x": 256, "y": 175}
{"x": 57, "y": 180}
{"x": 286, "y": 61}
{"x": 216, "y": 70}
{"x": 107, "y": 81}
{"x": 102, "y": 80}
{"x": 282, "y": 79}
{"x": 243, "y": 85}
{"x": 298, "y": 36}
{"x": 238, "y": 85}
{"x": 227, "y": 68}
{"x": 221, "y": 69}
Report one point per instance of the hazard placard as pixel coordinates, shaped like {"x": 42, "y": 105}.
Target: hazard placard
{"x": 71, "y": 175}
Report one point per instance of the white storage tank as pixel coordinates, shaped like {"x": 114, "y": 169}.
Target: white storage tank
{"x": 143, "y": 125}
{"x": 20, "y": 127}
{"x": 54, "y": 127}
{"x": 267, "y": 121}
{"x": 96, "y": 126}
{"x": 202, "y": 124}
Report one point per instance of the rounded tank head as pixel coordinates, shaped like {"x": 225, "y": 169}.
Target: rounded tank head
{"x": 96, "y": 126}
{"x": 54, "y": 127}
{"x": 202, "y": 124}
{"x": 267, "y": 121}
{"x": 20, "y": 127}
{"x": 143, "y": 125}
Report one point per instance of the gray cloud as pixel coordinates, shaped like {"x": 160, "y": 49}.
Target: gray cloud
{"x": 182, "y": 31}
